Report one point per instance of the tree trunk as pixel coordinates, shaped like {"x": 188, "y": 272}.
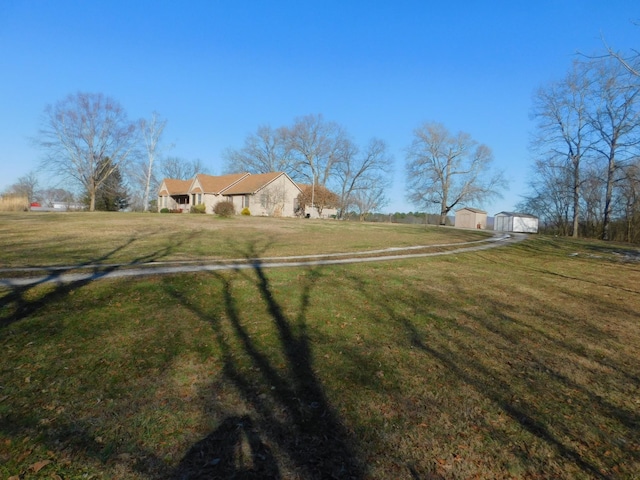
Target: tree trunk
{"x": 145, "y": 199}
{"x": 443, "y": 216}
{"x": 576, "y": 198}
{"x": 608, "y": 198}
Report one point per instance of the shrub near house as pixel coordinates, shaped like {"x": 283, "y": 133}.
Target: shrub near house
{"x": 224, "y": 209}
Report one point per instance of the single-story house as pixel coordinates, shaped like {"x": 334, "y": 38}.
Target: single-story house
{"x": 273, "y": 194}
{"x": 266, "y": 194}
{"x": 208, "y": 190}
{"x": 471, "y": 218}
{"x": 515, "y": 222}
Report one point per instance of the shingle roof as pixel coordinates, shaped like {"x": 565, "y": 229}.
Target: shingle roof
{"x": 218, "y": 183}
{"x": 232, "y": 184}
{"x": 252, "y": 183}
{"x": 173, "y": 186}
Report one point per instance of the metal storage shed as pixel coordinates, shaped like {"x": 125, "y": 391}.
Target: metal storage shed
{"x": 471, "y": 218}
{"x": 515, "y": 222}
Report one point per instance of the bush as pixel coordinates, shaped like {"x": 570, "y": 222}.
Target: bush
{"x": 164, "y": 210}
{"x": 200, "y": 208}
{"x": 245, "y": 211}
{"x": 224, "y": 209}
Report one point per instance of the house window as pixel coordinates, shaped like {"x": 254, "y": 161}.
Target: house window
{"x": 199, "y": 198}
{"x": 246, "y": 201}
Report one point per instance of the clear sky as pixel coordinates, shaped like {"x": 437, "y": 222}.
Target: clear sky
{"x": 216, "y": 69}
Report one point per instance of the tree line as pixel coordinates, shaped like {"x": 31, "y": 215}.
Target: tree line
{"x": 115, "y": 163}
{"x": 586, "y": 144}
{"x": 99, "y": 158}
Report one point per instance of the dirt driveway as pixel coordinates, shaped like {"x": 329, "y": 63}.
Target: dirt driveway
{"x": 75, "y": 273}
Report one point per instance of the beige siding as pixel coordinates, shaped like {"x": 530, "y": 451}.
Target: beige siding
{"x": 210, "y": 201}
{"x": 470, "y": 219}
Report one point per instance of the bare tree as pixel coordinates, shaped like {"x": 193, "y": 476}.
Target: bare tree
{"x": 363, "y": 177}
{"x": 48, "y": 196}
{"x": 152, "y": 130}
{"x": 630, "y": 195}
{"x": 449, "y": 170}
{"x": 631, "y": 62}
{"x": 263, "y": 152}
{"x": 368, "y": 200}
{"x": 79, "y": 132}
{"x": 315, "y": 146}
{"x": 181, "y": 169}
{"x": 592, "y": 200}
{"x": 26, "y": 186}
{"x": 615, "y": 119}
{"x": 549, "y": 195}
{"x": 563, "y": 130}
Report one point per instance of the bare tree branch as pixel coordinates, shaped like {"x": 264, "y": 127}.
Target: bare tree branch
{"x": 449, "y": 170}
{"x": 79, "y": 132}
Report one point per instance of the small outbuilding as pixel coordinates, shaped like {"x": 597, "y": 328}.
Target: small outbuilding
{"x": 471, "y": 218}
{"x": 515, "y": 222}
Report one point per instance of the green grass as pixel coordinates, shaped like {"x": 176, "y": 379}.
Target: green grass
{"x": 518, "y": 362}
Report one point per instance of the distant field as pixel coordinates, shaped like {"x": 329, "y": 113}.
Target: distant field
{"x": 516, "y": 362}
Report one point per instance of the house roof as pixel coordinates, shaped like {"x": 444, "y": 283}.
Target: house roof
{"x": 232, "y": 184}
{"x": 473, "y": 210}
{"x": 215, "y": 184}
{"x": 173, "y": 186}
{"x": 252, "y": 183}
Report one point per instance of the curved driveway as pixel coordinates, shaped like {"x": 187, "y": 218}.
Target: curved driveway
{"x": 100, "y": 271}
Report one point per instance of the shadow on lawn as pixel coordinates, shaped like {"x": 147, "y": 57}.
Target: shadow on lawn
{"x": 519, "y": 367}
{"x": 292, "y": 429}
{"x": 16, "y": 304}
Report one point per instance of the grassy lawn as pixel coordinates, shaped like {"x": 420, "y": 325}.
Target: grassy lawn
{"x": 515, "y": 362}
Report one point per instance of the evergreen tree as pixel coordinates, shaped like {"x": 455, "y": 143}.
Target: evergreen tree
{"x": 112, "y": 195}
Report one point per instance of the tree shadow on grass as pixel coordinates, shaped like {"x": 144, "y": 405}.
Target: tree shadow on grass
{"x": 23, "y": 303}
{"x": 19, "y": 303}
{"x": 492, "y": 350}
{"x": 292, "y": 431}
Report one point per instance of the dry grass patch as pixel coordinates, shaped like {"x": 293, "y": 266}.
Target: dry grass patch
{"x": 13, "y": 203}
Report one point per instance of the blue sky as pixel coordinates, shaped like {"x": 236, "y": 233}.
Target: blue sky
{"x": 216, "y": 70}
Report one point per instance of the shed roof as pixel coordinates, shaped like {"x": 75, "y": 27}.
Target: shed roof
{"x": 473, "y": 210}
{"x": 515, "y": 214}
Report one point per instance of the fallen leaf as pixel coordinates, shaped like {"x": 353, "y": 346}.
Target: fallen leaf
{"x": 36, "y": 467}
{"x": 23, "y": 455}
